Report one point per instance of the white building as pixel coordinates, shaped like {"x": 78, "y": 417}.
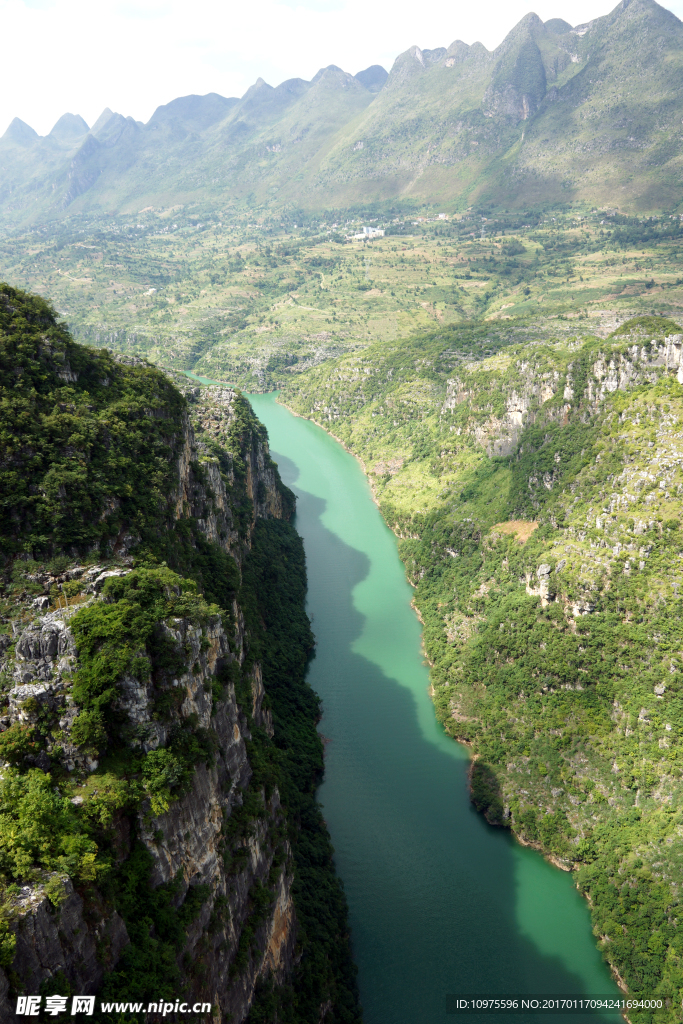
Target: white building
{"x": 370, "y": 233}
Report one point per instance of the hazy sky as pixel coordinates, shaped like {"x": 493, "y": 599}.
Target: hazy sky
{"x": 132, "y": 55}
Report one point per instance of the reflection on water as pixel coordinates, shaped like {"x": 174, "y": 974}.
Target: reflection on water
{"x": 440, "y": 902}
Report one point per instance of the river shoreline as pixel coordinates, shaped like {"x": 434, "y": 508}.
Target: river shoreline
{"x": 372, "y": 963}
{"x": 346, "y": 448}
{"x": 536, "y": 847}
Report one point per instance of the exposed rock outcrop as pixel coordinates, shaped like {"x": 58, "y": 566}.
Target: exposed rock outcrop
{"x": 207, "y": 467}
{"x": 530, "y": 386}
{"x": 78, "y": 941}
{"x": 226, "y": 489}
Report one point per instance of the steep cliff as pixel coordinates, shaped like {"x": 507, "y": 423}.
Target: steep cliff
{"x": 536, "y": 488}
{"x": 154, "y": 776}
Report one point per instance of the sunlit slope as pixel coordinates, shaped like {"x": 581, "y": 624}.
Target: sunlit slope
{"x": 612, "y": 133}
{"x": 444, "y": 115}
{"x": 536, "y": 488}
{"x": 555, "y": 114}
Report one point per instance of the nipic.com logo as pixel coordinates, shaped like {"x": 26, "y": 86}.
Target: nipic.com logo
{"x": 30, "y": 1006}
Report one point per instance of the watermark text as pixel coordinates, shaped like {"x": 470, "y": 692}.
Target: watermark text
{"x": 53, "y": 1006}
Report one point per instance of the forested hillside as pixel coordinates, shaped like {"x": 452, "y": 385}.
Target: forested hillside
{"x": 159, "y": 835}
{"x": 537, "y": 490}
{"x": 468, "y": 269}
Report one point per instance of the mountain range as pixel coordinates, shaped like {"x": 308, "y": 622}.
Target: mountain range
{"x": 557, "y": 114}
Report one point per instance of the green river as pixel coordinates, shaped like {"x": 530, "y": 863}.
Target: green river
{"x": 440, "y": 902}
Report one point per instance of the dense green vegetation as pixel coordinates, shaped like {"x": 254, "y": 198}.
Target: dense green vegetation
{"x": 548, "y": 583}
{"x": 85, "y": 440}
{"x": 92, "y": 448}
{"x": 121, "y": 637}
{"x": 149, "y": 968}
{"x": 273, "y": 592}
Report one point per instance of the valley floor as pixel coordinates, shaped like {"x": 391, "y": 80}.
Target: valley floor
{"x": 513, "y": 390}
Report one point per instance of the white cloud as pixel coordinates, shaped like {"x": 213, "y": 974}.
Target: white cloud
{"x": 132, "y": 55}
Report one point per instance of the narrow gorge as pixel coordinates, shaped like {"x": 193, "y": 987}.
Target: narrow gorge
{"x": 159, "y": 835}
{"x": 534, "y": 482}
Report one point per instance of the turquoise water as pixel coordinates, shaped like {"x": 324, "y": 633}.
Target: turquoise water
{"x": 440, "y": 902}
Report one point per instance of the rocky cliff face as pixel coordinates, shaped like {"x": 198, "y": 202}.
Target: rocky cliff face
{"x": 189, "y": 839}
{"x": 215, "y": 414}
{"x": 158, "y": 749}
{"x": 193, "y": 842}
{"x": 528, "y": 384}
{"x": 188, "y": 842}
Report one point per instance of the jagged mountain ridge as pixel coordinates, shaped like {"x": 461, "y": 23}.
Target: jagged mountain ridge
{"x": 556, "y": 113}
